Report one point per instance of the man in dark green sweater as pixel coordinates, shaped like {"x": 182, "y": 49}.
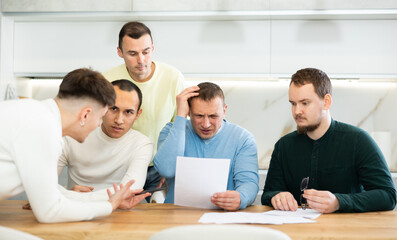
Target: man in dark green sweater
{"x": 346, "y": 169}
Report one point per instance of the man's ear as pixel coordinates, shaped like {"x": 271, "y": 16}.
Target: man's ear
{"x": 327, "y": 101}
{"x": 120, "y": 52}
{"x": 138, "y": 114}
{"x": 84, "y": 113}
{"x": 224, "y": 110}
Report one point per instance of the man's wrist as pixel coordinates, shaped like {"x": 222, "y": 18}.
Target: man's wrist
{"x": 181, "y": 115}
{"x": 181, "y": 112}
{"x": 113, "y": 205}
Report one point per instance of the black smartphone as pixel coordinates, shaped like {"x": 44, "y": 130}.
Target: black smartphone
{"x": 151, "y": 190}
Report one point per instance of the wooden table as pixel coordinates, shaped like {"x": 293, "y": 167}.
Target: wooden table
{"x": 146, "y": 219}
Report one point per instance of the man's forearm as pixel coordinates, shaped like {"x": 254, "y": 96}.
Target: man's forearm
{"x": 171, "y": 144}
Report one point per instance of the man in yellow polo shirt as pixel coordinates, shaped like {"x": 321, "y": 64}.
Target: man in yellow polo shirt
{"x": 160, "y": 84}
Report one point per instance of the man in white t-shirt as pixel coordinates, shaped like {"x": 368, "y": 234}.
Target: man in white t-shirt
{"x": 112, "y": 153}
{"x": 31, "y": 143}
{"x": 160, "y": 83}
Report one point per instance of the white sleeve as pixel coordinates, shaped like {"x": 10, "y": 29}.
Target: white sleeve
{"x": 140, "y": 160}
{"x": 64, "y": 158}
{"x": 37, "y": 149}
{"x": 100, "y": 195}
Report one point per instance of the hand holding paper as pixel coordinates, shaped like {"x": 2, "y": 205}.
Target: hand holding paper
{"x": 229, "y": 200}
{"x": 198, "y": 179}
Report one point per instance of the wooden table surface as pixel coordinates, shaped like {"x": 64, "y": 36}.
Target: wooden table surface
{"x": 146, "y": 219}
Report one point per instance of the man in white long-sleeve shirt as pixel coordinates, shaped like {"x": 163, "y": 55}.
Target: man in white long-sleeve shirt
{"x": 31, "y": 143}
{"x": 112, "y": 153}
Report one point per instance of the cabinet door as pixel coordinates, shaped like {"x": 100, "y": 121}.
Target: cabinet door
{"x": 339, "y": 47}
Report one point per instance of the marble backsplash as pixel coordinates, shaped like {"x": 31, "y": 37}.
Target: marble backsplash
{"x": 262, "y": 107}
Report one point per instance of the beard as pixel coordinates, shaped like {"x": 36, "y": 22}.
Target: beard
{"x": 309, "y": 128}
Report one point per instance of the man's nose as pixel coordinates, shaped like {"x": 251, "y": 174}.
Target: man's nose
{"x": 206, "y": 122}
{"x": 119, "y": 118}
{"x": 297, "y": 109}
{"x": 141, "y": 58}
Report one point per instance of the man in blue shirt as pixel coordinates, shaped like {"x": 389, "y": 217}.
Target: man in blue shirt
{"x": 208, "y": 135}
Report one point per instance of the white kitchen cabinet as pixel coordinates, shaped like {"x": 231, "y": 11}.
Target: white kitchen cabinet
{"x": 347, "y": 48}
{"x": 257, "y": 5}
{"x": 202, "y": 5}
{"x": 342, "y": 48}
{"x": 196, "y": 47}
{"x": 65, "y": 5}
{"x": 187, "y": 5}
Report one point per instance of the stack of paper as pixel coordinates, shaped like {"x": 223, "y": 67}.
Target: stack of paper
{"x": 270, "y": 217}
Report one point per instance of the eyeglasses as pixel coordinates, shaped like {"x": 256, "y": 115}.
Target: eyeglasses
{"x": 304, "y": 186}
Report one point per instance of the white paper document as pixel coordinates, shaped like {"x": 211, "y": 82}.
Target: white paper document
{"x": 270, "y": 217}
{"x": 197, "y": 179}
{"x": 308, "y": 213}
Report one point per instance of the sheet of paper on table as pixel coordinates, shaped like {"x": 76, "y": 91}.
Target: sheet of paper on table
{"x": 197, "y": 179}
{"x": 307, "y": 213}
{"x": 271, "y": 217}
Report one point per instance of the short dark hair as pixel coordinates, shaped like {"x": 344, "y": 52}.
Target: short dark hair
{"x": 87, "y": 83}
{"x": 134, "y": 30}
{"x": 208, "y": 91}
{"x": 127, "y": 85}
{"x": 319, "y": 79}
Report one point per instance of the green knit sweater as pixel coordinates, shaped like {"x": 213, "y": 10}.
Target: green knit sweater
{"x": 345, "y": 161}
